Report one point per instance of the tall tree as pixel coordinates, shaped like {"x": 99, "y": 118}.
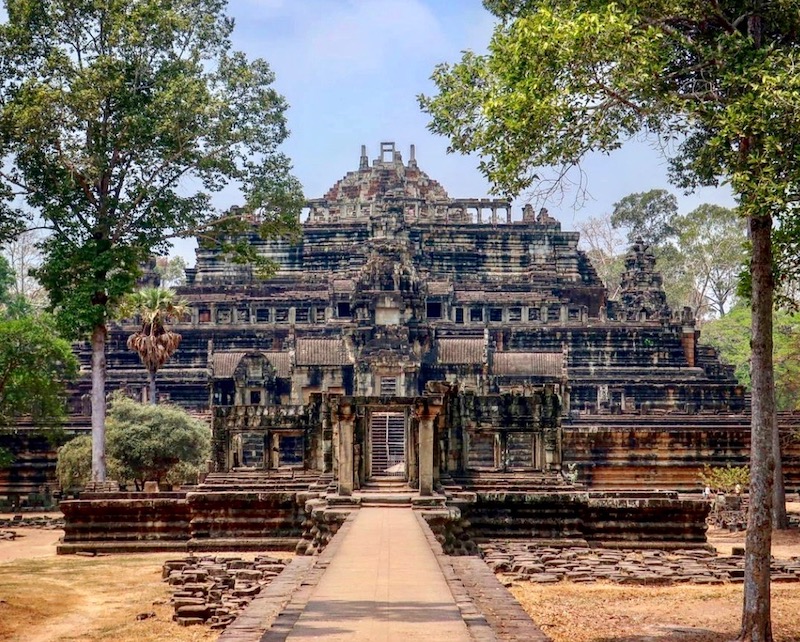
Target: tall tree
{"x": 155, "y": 342}
{"x": 171, "y": 270}
{"x": 712, "y": 247}
{"x": 649, "y": 216}
{"x": 24, "y": 256}
{"x": 718, "y": 79}
{"x": 118, "y": 118}
{"x": 605, "y": 247}
{"x": 162, "y": 443}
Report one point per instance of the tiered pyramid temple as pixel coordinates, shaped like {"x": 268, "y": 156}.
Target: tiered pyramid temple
{"x": 433, "y": 347}
{"x": 444, "y": 339}
{"x": 400, "y": 301}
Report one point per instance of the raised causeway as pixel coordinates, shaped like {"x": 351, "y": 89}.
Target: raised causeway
{"x": 384, "y": 577}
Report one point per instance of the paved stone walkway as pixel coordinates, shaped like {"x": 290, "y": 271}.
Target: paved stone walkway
{"x": 384, "y": 583}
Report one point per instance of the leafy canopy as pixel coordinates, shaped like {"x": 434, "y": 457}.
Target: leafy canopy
{"x": 731, "y": 336}
{"x": 118, "y": 119}
{"x": 148, "y": 441}
{"x": 74, "y": 464}
{"x": 566, "y": 77}
{"x": 34, "y": 364}
{"x": 725, "y": 479}
{"x": 649, "y": 216}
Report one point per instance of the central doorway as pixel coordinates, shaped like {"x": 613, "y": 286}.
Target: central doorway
{"x": 388, "y": 441}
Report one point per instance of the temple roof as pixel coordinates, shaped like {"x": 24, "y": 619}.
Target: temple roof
{"x": 322, "y": 352}
{"x": 389, "y": 183}
{"x": 224, "y": 363}
{"x": 461, "y": 351}
{"x": 537, "y": 364}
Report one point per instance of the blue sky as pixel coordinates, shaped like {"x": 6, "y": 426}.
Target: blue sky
{"x": 351, "y": 71}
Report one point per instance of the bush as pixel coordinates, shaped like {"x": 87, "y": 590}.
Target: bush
{"x": 74, "y": 466}
{"x": 143, "y": 442}
{"x": 725, "y": 479}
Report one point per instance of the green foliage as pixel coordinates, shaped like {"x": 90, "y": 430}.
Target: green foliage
{"x": 109, "y": 112}
{"x": 74, "y": 465}
{"x": 725, "y": 479}
{"x": 34, "y": 363}
{"x": 731, "y": 336}
{"x": 712, "y": 247}
{"x": 6, "y": 458}
{"x": 155, "y": 343}
{"x": 6, "y": 282}
{"x": 565, "y": 78}
{"x": 716, "y": 81}
{"x": 155, "y": 442}
{"x": 160, "y": 443}
{"x": 649, "y": 216}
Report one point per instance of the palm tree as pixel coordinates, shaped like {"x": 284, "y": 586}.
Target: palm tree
{"x": 155, "y": 342}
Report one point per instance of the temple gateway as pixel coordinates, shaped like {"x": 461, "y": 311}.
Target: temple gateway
{"x": 434, "y": 336}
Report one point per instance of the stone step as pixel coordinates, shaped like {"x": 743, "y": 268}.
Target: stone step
{"x": 383, "y": 499}
{"x": 369, "y": 488}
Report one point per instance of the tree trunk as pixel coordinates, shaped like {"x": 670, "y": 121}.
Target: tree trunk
{"x": 99, "y": 403}
{"x": 151, "y": 380}
{"x": 780, "y": 520}
{"x": 756, "y": 624}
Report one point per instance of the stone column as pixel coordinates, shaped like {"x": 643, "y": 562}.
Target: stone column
{"x": 688, "y": 343}
{"x": 327, "y": 436}
{"x": 508, "y": 215}
{"x": 345, "y": 418}
{"x": 426, "y": 411}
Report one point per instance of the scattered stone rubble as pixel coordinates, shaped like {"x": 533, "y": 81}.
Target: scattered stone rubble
{"x": 729, "y": 512}
{"x": 214, "y": 590}
{"x": 32, "y": 521}
{"x": 519, "y": 561}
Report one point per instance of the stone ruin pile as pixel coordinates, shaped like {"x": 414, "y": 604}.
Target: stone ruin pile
{"x": 215, "y": 590}
{"x": 45, "y": 522}
{"x": 730, "y": 512}
{"x": 520, "y": 561}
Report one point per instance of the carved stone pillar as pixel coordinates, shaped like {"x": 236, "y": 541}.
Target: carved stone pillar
{"x": 327, "y": 436}
{"x": 345, "y": 418}
{"x": 426, "y": 411}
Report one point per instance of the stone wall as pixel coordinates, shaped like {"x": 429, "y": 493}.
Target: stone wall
{"x": 122, "y": 522}
{"x": 666, "y": 451}
{"x": 222, "y": 520}
{"x": 210, "y": 520}
{"x": 608, "y": 520}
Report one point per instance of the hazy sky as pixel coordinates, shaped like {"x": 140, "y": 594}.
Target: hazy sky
{"x": 351, "y": 71}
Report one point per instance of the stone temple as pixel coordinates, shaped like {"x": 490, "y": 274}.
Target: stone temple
{"x": 472, "y": 355}
{"x": 401, "y": 303}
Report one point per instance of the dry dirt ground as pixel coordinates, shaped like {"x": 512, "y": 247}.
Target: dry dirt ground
{"x": 49, "y": 598}
{"x": 606, "y": 612}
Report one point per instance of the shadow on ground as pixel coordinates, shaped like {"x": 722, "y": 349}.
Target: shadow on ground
{"x": 673, "y": 634}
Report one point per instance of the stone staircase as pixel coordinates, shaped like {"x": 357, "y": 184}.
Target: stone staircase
{"x": 385, "y": 491}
